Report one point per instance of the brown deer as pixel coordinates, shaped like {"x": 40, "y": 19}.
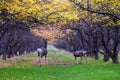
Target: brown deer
{"x": 80, "y": 54}
{"x": 42, "y": 52}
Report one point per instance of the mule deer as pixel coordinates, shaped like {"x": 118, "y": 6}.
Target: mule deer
{"x": 42, "y": 52}
{"x": 80, "y": 54}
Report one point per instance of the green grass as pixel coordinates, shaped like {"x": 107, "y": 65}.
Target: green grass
{"x": 94, "y": 70}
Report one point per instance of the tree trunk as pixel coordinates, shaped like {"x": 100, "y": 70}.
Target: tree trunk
{"x": 106, "y": 57}
{"x": 12, "y": 55}
{"x": 0, "y": 54}
{"x": 4, "y": 56}
{"x": 96, "y": 55}
{"x": 115, "y": 59}
{"x": 9, "y": 55}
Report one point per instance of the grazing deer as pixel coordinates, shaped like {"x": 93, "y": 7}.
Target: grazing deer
{"x": 42, "y": 52}
{"x": 80, "y": 54}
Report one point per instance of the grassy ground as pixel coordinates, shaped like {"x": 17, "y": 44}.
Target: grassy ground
{"x": 60, "y": 67}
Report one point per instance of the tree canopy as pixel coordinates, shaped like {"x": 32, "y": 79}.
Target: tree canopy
{"x": 42, "y": 11}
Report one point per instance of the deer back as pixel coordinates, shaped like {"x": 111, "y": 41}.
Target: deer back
{"x": 79, "y": 53}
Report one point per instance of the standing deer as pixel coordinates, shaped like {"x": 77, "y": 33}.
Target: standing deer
{"x": 42, "y": 52}
{"x": 80, "y": 54}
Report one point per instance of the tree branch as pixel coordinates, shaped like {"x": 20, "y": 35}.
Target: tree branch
{"x": 93, "y": 11}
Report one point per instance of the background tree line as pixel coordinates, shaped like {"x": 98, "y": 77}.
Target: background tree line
{"x": 98, "y": 32}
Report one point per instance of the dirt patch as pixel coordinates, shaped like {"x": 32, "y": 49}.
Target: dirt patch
{"x": 33, "y": 60}
{"x": 11, "y": 61}
{"x": 15, "y": 60}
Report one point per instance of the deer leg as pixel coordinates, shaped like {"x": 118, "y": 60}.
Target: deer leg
{"x": 39, "y": 63}
{"x": 75, "y": 59}
{"x": 81, "y": 59}
{"x": 45, "y": 59}
{"x": 86, "y": 59}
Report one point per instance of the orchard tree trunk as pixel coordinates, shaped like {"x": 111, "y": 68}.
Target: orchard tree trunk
{"x": 4, "y": 56}
{"x": 115, "y": 59}
{"x": 0, "y": 54}
{"x": 96, "y": 56}
{"x": 9, "y": 56}
{"x": 106, "y": 57}
{"x": 12, "y": 55}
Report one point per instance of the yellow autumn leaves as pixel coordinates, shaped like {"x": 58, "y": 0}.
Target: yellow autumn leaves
{"x": 55, "y": 11}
